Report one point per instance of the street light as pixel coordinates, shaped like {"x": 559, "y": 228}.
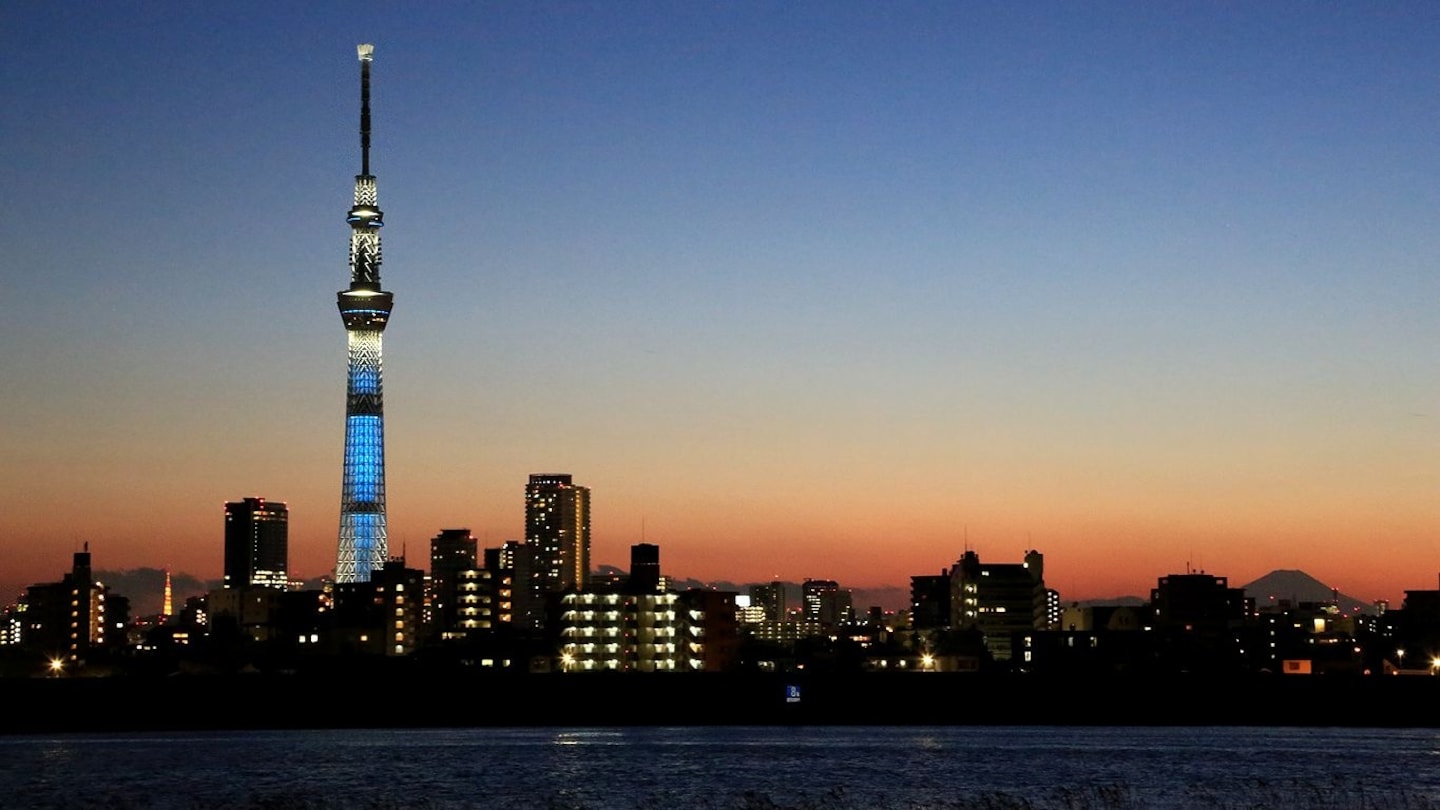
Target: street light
{"x": 1400, "y": 654}
{"x": 57, "y": 666}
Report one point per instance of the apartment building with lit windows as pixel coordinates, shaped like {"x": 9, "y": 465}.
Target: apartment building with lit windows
{"x": 71, "y": 620}
{"x": 621, "y": 632}
{"x": 1002, "y": 600}
{"x": 693, "y": 631}
{"x": 382, "y": 616}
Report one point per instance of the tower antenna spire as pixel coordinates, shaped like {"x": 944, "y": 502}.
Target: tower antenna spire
{"x": 367, "y": 54}
{"x": 365, "y": 310}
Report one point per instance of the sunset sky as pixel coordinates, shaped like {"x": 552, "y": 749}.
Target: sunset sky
{"x": 798, "y": 289}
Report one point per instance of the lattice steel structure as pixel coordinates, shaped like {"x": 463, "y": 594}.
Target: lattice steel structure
{"x": 365, "y": 309}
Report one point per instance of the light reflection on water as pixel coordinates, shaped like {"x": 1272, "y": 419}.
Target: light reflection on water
{"x": 728, "y": 767}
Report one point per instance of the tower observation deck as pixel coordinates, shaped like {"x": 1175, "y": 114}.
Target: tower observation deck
{"x": 365, "y": 309}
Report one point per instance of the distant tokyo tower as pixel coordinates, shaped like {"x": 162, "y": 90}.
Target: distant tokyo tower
{"x": 365, "y": 309}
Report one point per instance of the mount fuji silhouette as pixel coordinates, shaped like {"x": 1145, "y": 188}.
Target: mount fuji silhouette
{"x": 1289, "y": 585}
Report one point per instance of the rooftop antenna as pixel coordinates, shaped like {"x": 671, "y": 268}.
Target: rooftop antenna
{"x": 367, "y": 54}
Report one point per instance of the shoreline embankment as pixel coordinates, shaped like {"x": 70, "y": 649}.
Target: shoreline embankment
{"x": 365, "y": 699}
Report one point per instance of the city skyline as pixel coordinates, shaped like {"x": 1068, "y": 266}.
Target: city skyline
{"x": 804, "y": 290}
{"x": 149, "y": 588}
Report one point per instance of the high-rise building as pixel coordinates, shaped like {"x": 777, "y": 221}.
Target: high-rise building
{"x": 365, "y": 310}
{"x": 557, "y": 524}
{"x": 66, "y": 621}
{"x": 257, "y": 546}
{"x": 770, "y": 598}
{"x": 826, "y": 602}
{"x": 452, "y": 552}
{"x": 512, "y": 569}
{"x": 474, "y": 604}
{"x": 1002, "y": 600}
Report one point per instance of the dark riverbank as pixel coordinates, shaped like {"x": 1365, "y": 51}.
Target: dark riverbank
{"x": 363, "y": 699}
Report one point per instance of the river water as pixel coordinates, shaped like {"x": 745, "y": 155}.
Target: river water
{"x": 746, "y": 768}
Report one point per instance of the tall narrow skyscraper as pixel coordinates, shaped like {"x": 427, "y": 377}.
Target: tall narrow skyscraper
{"x": 365, "y": 309}
{"x": 557, "y": 524}
{"x": 257, "y": 545}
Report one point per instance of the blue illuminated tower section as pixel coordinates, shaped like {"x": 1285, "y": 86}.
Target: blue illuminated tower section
{"x": 365, "y": 309}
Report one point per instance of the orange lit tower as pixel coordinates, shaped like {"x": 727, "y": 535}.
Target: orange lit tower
{"x": 365, "y": 309}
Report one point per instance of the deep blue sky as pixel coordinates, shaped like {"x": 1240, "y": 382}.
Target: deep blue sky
{"x": 799, "y": 289}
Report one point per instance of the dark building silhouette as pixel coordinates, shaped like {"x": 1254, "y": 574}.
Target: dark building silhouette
{"x": 1415, "y": 642}
{"x": 247, "y": 614}
{"x": 1091, "y": 640}
{"x": 1199, "y": 623}
{"x": 257, "y": 544}
{"x": 1199, "y": 602}
{"x": 770, "y": 598}
{"x": 644, "y": 569}
{"x": 712, "y": 630}
{"x": 74, "y": 621}
{"x": 1301, "y": 638}
{"x": 930, "y": 601}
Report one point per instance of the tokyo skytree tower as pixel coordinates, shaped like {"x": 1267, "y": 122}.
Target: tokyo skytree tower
{"x": 365, "y": 309}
